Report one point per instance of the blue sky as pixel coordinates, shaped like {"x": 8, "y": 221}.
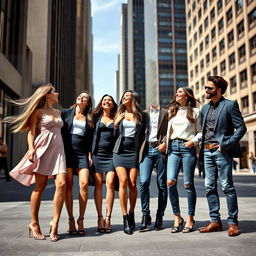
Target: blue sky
{"x": 106, "y": 36}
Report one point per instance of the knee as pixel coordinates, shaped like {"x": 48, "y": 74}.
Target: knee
{"x": 61, "y": 184}
{"x": 189, "y": 187}
{"x": 83, "y": 186}
{"x": 39, "y": 188}
{"x": 171, "y": 183}
{"x": 110, "y": 185}
{"x": 123, "y": 182}
{"x": 132, "y": 185}
{"x": 144, "y": 183}
{"x": 99, "y": 184}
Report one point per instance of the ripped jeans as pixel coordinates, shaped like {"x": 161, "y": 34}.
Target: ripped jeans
{"x": 181, "y": 157}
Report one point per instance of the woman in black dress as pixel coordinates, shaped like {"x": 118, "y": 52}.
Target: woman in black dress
{"x": 131, "y": 128}
{"x": 77, "y": 134}
{"x": 102, "y": 156}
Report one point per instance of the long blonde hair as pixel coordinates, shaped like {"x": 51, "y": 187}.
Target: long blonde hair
{"x": 37, "y": 100}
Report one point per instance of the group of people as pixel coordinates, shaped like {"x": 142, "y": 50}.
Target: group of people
{"x": 121, "y": 141}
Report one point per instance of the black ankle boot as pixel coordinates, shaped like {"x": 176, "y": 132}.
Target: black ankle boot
{"x": 131, "y": 221}
{"x": 127, "y": 228}
{"x": 146, "y": 220}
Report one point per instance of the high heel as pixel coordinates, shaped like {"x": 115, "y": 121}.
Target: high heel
{"x": 109, "y": 228}
{"x": 32, "y": 233}
{"x": 80, "y": 232}
{"x": 187, "y": 229}
{"x": 132, "y": 220}
{"x": 127, "y": 228}
{"x": 100, "y": 229}
{"x": 74, "y": 231}
{"x": 178, "y": 228}
{"x": 53, "y": 237}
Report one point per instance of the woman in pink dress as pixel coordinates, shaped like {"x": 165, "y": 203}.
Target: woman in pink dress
{"x": 45, "y": 157}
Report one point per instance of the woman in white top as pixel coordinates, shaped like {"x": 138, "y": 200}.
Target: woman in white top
{"x": 183, "y": 133}
{"x": 129, "y": 122}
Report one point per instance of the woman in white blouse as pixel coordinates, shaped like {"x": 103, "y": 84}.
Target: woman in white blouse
{"x": 183, "y": 134}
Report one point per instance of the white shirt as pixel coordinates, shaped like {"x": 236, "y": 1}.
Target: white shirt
{"x": 129, "y": 128}
{"x": 78, "y": 127}
{"x": 153, "y": 124}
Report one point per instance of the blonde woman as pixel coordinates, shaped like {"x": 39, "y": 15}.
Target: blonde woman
{"x": 45, "y": 157}
{"x": 131, "y": 128}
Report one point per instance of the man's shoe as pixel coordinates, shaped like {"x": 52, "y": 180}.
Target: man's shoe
{"x": 233, "y": 230}
{"x": 159, "y": 224}
{"x": 146, "y": 220}
{"x": 212, "y": 227}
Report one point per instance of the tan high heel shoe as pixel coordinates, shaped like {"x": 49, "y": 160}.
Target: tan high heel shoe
{"x": 80, "y": 232}
{"x": 53, "y": 237}
{"x": 101, "y": 222}
{"x": 74, "y": 231}
{"x": 108, "y": 227}
{"x": 32, "y": 233}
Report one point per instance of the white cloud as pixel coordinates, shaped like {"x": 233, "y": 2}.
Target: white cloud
{"x": 102, "y": 5}
{"x": 103, "y": 46}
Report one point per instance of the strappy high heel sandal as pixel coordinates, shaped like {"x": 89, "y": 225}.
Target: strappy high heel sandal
{"x": 72, "y": 232}
{"x": 53, "y": 237}
{"x": 33, "y": 234}
{"x": 101, "y": 229}
{"x": 81, "y": 231}
{"x": 108, "y": 227}
{"x": 176, "y": 229}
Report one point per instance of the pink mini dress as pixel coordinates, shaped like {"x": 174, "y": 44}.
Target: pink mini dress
{"x": 49, "y": 157}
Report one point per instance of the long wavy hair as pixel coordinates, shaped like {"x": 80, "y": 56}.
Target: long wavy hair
{"x": 20, "y": 122}
{"x": 87, "y": 110}
{"x": 137, "y": 112}
{"x": 191, "y": 103}
{"x": 98, "y": 110}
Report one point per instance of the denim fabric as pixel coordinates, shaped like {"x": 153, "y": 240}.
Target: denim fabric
{"x": 181, "y": 157}
{"x": 151, "y": 157}
{"x": 219, "y": 165}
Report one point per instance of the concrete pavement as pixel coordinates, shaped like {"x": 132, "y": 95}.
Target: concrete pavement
{"x": 14, "y": 217}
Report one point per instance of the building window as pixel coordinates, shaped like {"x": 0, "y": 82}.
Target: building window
{"x": 239, "y": 6}
{"x": 212, "y": 14}
{"x": 189, "y": 29}
{"x": 202, "y": 82}
{"x": 223, "y": 67}
{"x": 215, "y": 71}
{"x": 202, "y": 65}
{"x": 253, "y": 70}
{"x": 194, "y": 5}
{"x": 232, "y": 61}
{"x": 219, "y": 5}
{"x": 201, "y": 47}
{"x": 252, "y": 18}
{"x": 191, "y": 58}
{"x": 230, "y": 38}
{"x": 191, "y": 74}
{"x": 229, "y": 16}
{"x": 240, "y": 29}
{"x": 195, "y": 38}
{"x": 194, "y": 22}
{"x": 206, "y": 23}
{"x": 189, "y": 13}
{"x": 214, "y": 53}
{"x": 233, "y": 84}
{"x": 254, "y": 107}
{"x": 243, "y": 78}
{"x": 222, "y": 46}
{"x": 196, "y": 53}
{"x": 221, "y": 25}
{"x": 242, "y": 52}
{"x": 205, "y": 5}
{"x": 196, "y": 70}
{"x": 207, "y": 59}
{"x": 190, "y": 43}
{"x": 199, "y": 13}
{"x": 245, "y": 105}
{"x": 253, "y": 45}
{"x": 200, "y": 30}
{"x": 213, "y": 33}
{"x": 206, "y": 41}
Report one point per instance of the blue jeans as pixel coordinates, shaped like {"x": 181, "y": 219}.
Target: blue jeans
{"x": 219, "y": 165}
{"x": 181, "y": 157}
{"x": 151, "y": 157}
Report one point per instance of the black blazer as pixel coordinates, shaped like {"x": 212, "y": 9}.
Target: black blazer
{"x": 95, "y": 133}
{"x": 67, "y": 116}
{"x": 229, "y": 126}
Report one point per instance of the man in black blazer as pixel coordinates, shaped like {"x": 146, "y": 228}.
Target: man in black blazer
{"x": 222, "y": 127}
{"x": 153, "y": 153}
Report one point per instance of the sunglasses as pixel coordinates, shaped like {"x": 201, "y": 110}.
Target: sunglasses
{"x": 208, "y": 88}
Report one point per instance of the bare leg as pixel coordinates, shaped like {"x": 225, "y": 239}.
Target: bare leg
{"x": 58, "y": 200}
{"x": 98, "y": 178}
{"x": 35, "y": 201}
{"x": 69, "y": 200}
{"x": 123, "y": 182}
{"x": 133, "y": 188}
{"x": 83, "y": 175}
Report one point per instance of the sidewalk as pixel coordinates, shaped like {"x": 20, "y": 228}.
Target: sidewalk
{"x": 14, "y": 240}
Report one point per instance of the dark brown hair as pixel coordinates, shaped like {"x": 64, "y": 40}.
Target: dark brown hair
{"x": 191, "y": 103}
{"x": 219, "y": 82}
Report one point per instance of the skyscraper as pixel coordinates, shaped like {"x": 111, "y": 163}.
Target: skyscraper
{"x": 222, "y": 41}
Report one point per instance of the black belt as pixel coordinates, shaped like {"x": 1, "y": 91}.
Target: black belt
{"x": 153, "y": 144}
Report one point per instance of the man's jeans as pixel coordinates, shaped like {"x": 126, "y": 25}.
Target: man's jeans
{"x": 181, "y": 157}
{"x": 151, "y": 157}
{"x": 219, "y": 165}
